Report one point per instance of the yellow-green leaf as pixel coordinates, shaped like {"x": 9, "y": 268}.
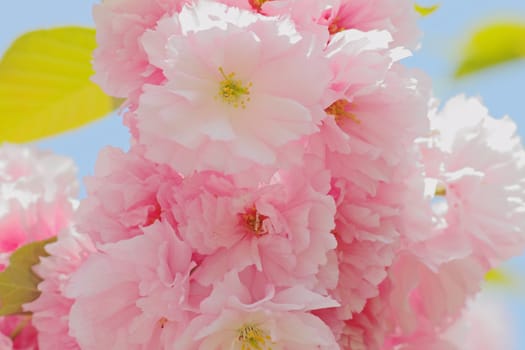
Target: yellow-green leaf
{"x": 492, "y": 45}
{"x": 426, "y": 10}
{"x": 45, "y": 86}
{"x": 499, "y": 277}
{"x": 18, "y": 282}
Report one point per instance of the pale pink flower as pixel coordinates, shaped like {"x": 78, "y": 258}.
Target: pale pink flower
{"x": 120, "y": 62}
{"x": 376, "y": 181}
{"x": 25, "y": 222}
{"x": 242, "y": 314}
{"x": 427, "y": 342}
{"x": 122, "y": 195}
{"x": 397, "y": 17}
{"x": 308, "y": 15}
{"x": 208, "y": 209}
{"x": 51, "y": 309}
{"x": 368, "y": 328}
{"x": 43, "y": 173}
{"x": 484, "y": 325}
{"x": 37, "y": 190}
{"x": 274, "y": 197}
{"x": 251, "y": 5}
{"x": 365, "y": 118}
{"x": 479, "y": 215}
{"x": 17, "y": 333}
{"x": 133, "y": 294}
{"x": 370, "y": 231}
{"x": 484, "y": 204}
{"x": 283, "y": 228}
{"x": 367, "y": 239}
{"x": 415, "y": 288}
{"x": 36, "y": 193}
{"x": 359, "y": 62}
{"x": 242, "y": 103}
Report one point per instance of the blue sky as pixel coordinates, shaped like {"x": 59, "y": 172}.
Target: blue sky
{"x": 501, "y": 89}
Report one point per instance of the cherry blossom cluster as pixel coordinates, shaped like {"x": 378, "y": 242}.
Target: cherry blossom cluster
{"x": 38, "y": 192}
{"x": 289, "y": 185}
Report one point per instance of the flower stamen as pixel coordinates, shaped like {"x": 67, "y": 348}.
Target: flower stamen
{"x": 257, "y": 4}
{"x": 334, "y": 27}
{"x": 233, "y": 91}
{"x": 251, "y": 337}
{"x": 255, "y": 221}
{"x": 339, "y": 109}
{"x": 162, "y": 322}
{"x": 441, "y": 190}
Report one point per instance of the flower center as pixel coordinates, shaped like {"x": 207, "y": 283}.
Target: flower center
{"x": 162, "y": 322}
{"x": 334, "y": 27}
{"x": 232, "y": 91}
{"x": 257, "y": 4}
{"x": 154, "y": 214}
{"x": 339, "y": 109}
{"x": 254, "y": 221}
{"x": 441, "y": 190}
{"x": 251, "y": 337}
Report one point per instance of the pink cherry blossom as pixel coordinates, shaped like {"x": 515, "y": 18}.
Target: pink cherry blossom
{"x": 308, "y": 15}
{"x": 396, "y": 17}
{"x": 368, "y": 328}
{"x": 120, "y": 62}
{"x": 122, "y": 195}
{"x": 36, "y": 193}
{"x": 484, "y": 325}
{"x": 367, "y": 239}
{"x": 17, "y": 333}
{"x": 240, "y": 314}
{"x": 367, "y": 152}
{"x": 376, "y": 181}
{"x": 244, "y": 102}
{"x": 466, "y": 239}
{"x": 285, "y": 189}
{"x": 51, "y": 309}
{"x": 133, "y": 294}
{"x": 37, "y": 190}
{"x": 283, "y": 229}
{"x": 472, "y": 234}
{"x": 493, "y": 230}
{"x": 415, "y": 289}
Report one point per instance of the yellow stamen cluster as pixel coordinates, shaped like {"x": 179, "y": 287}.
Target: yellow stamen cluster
{"x": 441, "y": 191}
{"x": 339, "y": 109}
{"x": 334, "y": 28}
{"x": 254, "y": 221}
{"x": 233, "y": 91}
{"x": 162, "y": 322}
{"x": 251, "y": 337}
{"x": 257, "y": 4}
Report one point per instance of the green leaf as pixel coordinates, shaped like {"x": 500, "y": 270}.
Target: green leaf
{"x": 45, "y": 86}
{"x": 18, "y": 282}
{"x": 425, "y": 10}
{"x": 492, "y": 45}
